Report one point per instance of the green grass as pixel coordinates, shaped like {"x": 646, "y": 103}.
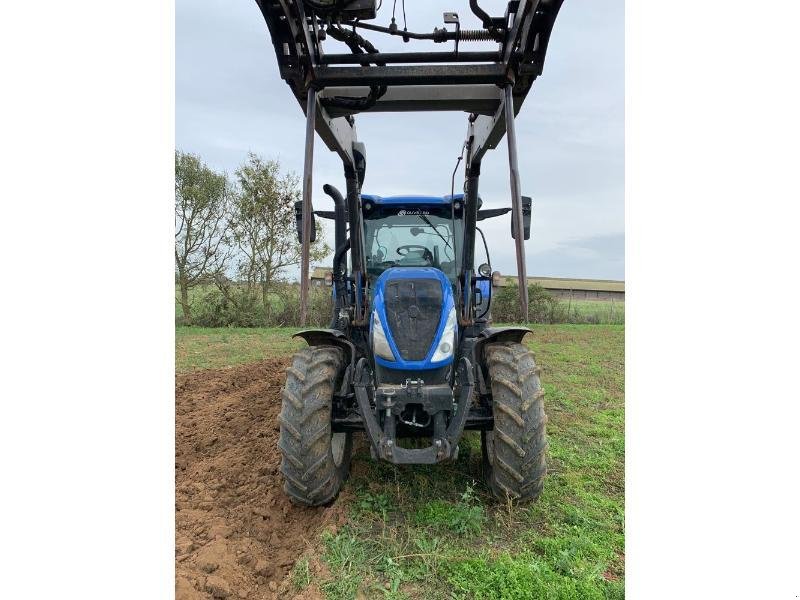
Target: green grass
{"x": 301, "y": 575}
{"x": 435, "y": 531}
{"x": 214, "y": 347}
{"x": 602, "y": 312}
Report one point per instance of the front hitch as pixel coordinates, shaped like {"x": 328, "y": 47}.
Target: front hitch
{"x": 384, "y": 441}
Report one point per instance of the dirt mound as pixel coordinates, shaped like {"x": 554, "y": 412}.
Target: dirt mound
{"x": 236, "y": 534}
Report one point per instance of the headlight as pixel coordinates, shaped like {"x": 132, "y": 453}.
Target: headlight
{"x": 447, "y": 343}
{"x": 379, "y": 343}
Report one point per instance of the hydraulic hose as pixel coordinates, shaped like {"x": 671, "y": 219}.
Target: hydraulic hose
{"x": 357, "y": 45}
{"x": 480, "y": 13}
{"x": 323, "y": 7}
{"x": 438, "y": 35}
{"x": 487, "y": 21}
{"x": 340, "y": 281}
{"x": 468, "y": 251}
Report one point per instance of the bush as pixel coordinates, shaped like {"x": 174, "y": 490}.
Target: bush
{"x": 233, "y": 305}
{"x": 320, "y": 306}
{"x": 542, "y": 307}
{"x": 236, "y": 306}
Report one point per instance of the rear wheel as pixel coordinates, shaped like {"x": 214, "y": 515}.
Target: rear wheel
{"x": 514, "y": 451}
{"x": 315, "y": 461}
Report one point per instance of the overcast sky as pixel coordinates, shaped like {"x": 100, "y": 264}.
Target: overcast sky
{"x": 230, "y": 100}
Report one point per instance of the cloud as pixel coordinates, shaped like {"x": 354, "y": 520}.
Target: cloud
{"x": 598, "y": 257}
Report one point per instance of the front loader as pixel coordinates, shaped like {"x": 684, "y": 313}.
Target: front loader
{"x": 410, "y": 353}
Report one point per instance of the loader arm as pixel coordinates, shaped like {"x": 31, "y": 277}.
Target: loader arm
{"x": 490, "y": 86}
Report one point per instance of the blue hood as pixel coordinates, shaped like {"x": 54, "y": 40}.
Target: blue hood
{"x": 380, "y": 306}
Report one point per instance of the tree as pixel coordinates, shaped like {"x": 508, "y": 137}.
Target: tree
{"x": 201, "y": 198}
{"x": 263, "y": 224}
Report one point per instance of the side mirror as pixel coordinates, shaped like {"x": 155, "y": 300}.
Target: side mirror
{"x": 298, "y": 221}
{"x": 527, "y": 204}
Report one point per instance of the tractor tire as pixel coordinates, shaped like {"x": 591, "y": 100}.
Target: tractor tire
{"x": 514, "y": 451}
{"x": 315, "y": 462}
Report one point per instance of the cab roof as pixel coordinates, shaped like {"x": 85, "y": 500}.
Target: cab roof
{"x": 422, "y": 200}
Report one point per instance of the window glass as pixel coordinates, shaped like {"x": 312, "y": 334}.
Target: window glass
{"x": 411, "y": 237}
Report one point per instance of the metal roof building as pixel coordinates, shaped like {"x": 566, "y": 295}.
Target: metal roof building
{"x": 561, "y": 287}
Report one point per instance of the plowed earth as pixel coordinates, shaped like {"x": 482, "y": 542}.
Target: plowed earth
{"x": 236, "y": 534}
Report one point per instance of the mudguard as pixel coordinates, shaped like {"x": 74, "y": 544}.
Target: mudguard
{"x": 496, "y": 334}
{"x": 329, "y": 337}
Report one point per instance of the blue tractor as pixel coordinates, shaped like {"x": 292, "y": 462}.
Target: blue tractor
{"x": 410, "y": 357}
{"x": 414, "y": 367}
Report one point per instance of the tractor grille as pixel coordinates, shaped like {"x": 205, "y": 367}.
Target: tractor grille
{"x": 413, "y": 309}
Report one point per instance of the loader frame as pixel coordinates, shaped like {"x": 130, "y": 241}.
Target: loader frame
{"x": 491, "y": 88}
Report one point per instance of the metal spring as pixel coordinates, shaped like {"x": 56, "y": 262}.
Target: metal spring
{"x": 475, "y": 35}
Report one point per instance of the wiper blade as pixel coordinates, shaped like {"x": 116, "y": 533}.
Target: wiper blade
{"x": 427, "y": 220}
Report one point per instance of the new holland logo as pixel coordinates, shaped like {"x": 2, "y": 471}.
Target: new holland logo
{"x": 416, "y": 211}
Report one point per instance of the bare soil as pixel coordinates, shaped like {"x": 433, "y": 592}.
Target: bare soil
{"x": 236, "y": 534}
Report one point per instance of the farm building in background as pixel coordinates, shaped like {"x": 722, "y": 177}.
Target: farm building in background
{"x": 560, "y": 287}
{"x": 577, "y": 289}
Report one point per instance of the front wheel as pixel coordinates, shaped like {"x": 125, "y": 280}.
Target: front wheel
{"x": 315, "y": 461}
{"x": 514, "y": 451}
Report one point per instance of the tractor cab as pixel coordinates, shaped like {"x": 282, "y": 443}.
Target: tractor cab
{"x": 412, "y": 252}
{"x": 412, "y": 231}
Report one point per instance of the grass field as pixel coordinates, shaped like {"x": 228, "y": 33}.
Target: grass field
{"x": 435, "y": 532}
{"x": 602, "y": 312}
{"x": 214, "y": 347}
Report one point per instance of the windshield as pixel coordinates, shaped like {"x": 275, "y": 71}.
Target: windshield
{"x": 395, "y": 236}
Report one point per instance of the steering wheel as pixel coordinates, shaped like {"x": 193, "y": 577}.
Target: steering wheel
{"x": 403, "y": 250}
{"x": 426, "y": 253}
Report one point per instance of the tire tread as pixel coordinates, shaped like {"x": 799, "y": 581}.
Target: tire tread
{"x": 518, "y": 464}
{"x": 310, "y": 474}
